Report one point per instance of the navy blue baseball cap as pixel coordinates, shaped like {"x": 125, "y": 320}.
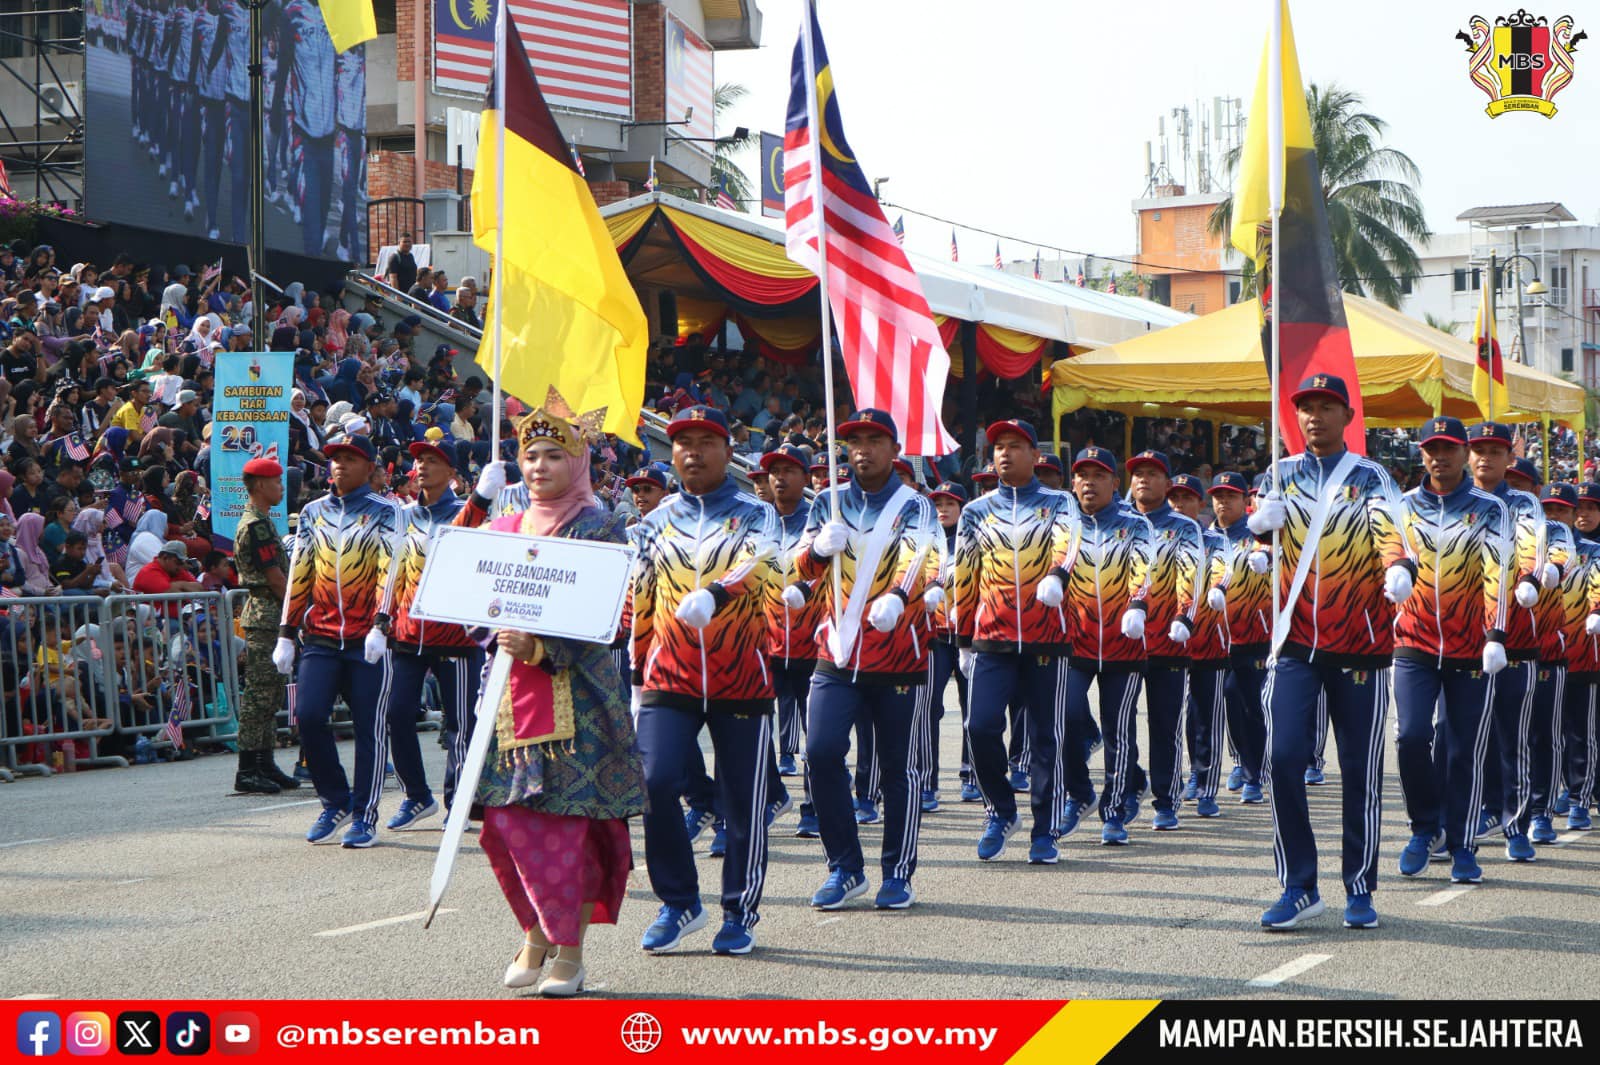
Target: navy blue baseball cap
{"x": 1525, "y": 469}
{"x": 986, "y": 474}
{"x": 1150, "y": 458}
{"x": 1565, "y": 495}
{"x": 1589, "y": 492}
{"x": 902, "y": 466}
{"x": 1229, "y": 481}
{"x": 1322, "y": 384}
{"x": 699, "y": 417}
{"x": 360, "y": 445}
{"x": 444, "y": 448}
{"x": 1012, "y": 425}
{"x": 1489, "y": 432}
{"x": 1188, "y": 482}
{"x": 651, "y": 474}
{"x": 786, "y": 453}
{"x": 870, "y": 418}
{"x": 1095, "y": 456}
{"x": 1049, "y": 460}
{"x": 1447, "y": 429}
{"x": 951, "y": 490}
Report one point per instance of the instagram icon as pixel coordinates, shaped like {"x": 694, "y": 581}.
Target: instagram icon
{"x": 88, "y": 1034}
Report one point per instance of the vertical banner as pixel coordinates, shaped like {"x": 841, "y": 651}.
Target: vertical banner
{"x": 689, "y": 81}
{"x": 771, "y": 175}
{"x": 249, "y": 419}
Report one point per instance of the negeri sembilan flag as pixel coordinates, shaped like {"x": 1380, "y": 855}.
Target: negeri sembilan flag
{"x": 1489, "y": 375}
{"x": 891, "y": 346}
{"x": 1311, "y": 324}
{"x": 572, "y": 322}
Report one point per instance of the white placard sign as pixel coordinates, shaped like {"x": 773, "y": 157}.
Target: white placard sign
{"x": 540, "y": 584}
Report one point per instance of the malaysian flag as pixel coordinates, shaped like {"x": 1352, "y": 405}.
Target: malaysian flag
{"x": 72, "y": 446}
{"x": 720, "y": 197}
{"x": 147, "y": 420}
{"x": 181, "y": 705}
{"x": 998, "y": 265}
{"x": 1037, "y": 276}
{"x": 577, "y": 160}
{"x": 1080, "y": 281}
{"x": 690, "y": 92}
{"x": 891, "y": 346}
{"x": 955, "y": 252}
{"x": 581, "y": 50}
{"x": 900, "y": 230}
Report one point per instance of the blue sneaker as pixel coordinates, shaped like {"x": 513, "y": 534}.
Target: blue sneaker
{"x": 786, "y": 766}
{"x": 1563, "y": 804}
{"x": 733, "y": 938}
{"x": 777, "y": 808}
{"x": 1294, "y": 907}
{"x": 1165, "y": 820}
{"x": 410, "y": 813}
{"x": 1543, "y": 831}
{"x": 808, "y": 827}
{"x": 697, "y": 821}
{"x": 1519, "y": 849}
{"x": 327, "y": 823}
{"x": 1578, "y": 819}
{"x": 930, "y": 800}
{"x": 995, "y": 833}
{"x": 672, "y": 923}
{"x": 1191, "y": 790}
{"x": 1441, "y": 852}
{"x": 1113, "y": 833}
{"x": 866, "y": 812}
{"x": 1314, "y": 776}
{"x": 895, "y": 894}
{"x": 1236, "y": 778}
{"x": 838, "y": 889}
{"x": 1465, "y": 869}
{"x": 359, "y": 836}
{"x": 1251, "y": 795}
{"x": 1207, "y": 808}
{"x": 1043, "y": 851}
{"x": 970, "y": 792}
{"x": 1488, "y": 821}
{"x": 1071, "y": 817}
{"x": 1414, "y": 859}
{"x": 1019, "y": 780}
{"x": 1131, "y": 808}
{"x": 719, "y": 841}
{"x": 1358, "y": 912}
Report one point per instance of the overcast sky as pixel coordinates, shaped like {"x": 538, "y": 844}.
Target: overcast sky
{"x": 1029, "y": 117}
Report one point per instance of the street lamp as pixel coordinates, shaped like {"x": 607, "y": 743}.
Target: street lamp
{"x": 877, "y": 183}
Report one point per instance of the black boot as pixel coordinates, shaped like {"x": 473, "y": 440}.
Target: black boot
{"x": 269, "y": 769}
{"x": 249, "y": 779}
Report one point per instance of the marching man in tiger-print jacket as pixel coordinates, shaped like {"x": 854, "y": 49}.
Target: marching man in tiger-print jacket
{"x": 1338, "y": 642}
{"x": 700, "y": 587}
{"x": 872, "y": 656}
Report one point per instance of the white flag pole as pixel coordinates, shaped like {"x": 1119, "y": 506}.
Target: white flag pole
{"x": 497, "y": 284}
{"x": 815, "y": 120}
{"x": 1275, "y": 167}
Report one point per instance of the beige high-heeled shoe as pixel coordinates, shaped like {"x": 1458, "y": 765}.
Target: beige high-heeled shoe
{"x": 522, "y": 973}
{"x": 566, "y": 973}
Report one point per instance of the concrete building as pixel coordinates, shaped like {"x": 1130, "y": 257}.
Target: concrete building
{"x": 1193, "y": 271}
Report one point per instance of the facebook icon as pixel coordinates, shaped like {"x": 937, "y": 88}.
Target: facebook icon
{"x": 38, "y": 1034}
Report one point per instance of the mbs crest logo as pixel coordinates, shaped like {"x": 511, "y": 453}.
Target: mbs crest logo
{"x": 1522, "y": 61}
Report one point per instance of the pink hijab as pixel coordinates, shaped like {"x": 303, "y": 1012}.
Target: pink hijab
{"x": 29, "y": 528}
{"x": 8, "y": 481}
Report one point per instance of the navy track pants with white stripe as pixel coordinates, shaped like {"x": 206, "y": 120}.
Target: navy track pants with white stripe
{"x": 1207, "y": 701}
{"x": 1507, "y": 768}
{"x": 1166, "y": 690}
{"x": 1544, "y": 739}
{"x": 458, "y": 678}
{"x": 997, "y": 680}
{"x": 894, "y": 715}
{"x": 1450, "y": 803}
{"x": 1357, "y": 702}
{"x": 325, "y": 673}
{"x": 1119, "y": 705}
{"x": 1247, "y": 719}
{"x": 1579, "y": 740}
{"x": 743, "y": 747}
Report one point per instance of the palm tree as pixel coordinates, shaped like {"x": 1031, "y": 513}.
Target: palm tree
{"x": 723, "y": 167}
{"x": 1443, "y": 325}
{"x": 1374, "y": 214}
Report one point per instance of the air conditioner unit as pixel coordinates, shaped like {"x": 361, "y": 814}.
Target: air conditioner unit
{"x": 63, "y": 101}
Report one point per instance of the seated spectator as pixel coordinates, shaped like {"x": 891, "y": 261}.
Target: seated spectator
{"x": 35, "y": 564}
{"x": 167, "y": 573}
{"x": 72, "y": 572}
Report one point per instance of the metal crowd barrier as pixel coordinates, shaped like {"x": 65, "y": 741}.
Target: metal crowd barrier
{"x": 83, "y": 678}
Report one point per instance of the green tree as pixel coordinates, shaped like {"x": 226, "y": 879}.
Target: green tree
{"x": 724, "y": 164}
{"x": 1443, "y": 325}
{"x": 1374, "y": 214}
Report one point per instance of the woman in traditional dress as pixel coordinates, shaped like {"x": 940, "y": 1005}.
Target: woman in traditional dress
{"x": 563, "y": 773}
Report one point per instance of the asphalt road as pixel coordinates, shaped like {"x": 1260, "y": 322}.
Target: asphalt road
{"x": 152, "y": 881}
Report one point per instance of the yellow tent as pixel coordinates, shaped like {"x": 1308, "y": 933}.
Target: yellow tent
{"x": 1212, "y": 367}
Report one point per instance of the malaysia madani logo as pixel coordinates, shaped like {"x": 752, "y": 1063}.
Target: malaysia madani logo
{"x": 1521, "y": 61}
{"x": 494, "y": 609}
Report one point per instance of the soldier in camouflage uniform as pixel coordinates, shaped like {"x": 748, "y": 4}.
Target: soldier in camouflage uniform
{"x": 263, "y": 566}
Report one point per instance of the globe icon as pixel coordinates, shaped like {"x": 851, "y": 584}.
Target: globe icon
{"x": 641, "y": 1033}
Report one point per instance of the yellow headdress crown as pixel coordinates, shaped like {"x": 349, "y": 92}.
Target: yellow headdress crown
{"x": 556, "y": 421}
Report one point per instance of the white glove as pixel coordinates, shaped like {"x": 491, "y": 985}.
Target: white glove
{"x": 375, "y": 647}
{"x": 1178, "y": 632}
{"x": 1591, "y": 624}
{"x": 1133, "y": 624}
{"x": 491, "y": 480}
{"x": 283, "y": 656}
{"x": 1397, "y": 584}
{"x": 793, "y": 597}
{"x": 933, "y": 598}
{"x": 1270, "y": 515}
{"x": 1258, "y": 562}
{"x": 1216, "y": 600}
{"x": 633, "y": 702}
{"x": 965, "y": 659}
{"x": 1550, "y": 576}
{"x": 1494, "y": 657}
{"x": 884, "y": 614}
{"x": 1527, "y": 594}
{"x": 831, "y": 539}
{"x": 1050, "y": 592}
{"x": 697, "y": 607}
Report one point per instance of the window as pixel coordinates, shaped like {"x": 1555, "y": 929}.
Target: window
{"x": 1559, "y": 276}
{"x": 1406, "y": 285}
{"x": 1234, "y": 287}
{"x": 1566, "y": 360}
{"x": 1459, "y": 281}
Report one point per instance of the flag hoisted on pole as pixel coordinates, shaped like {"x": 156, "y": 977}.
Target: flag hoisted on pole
{"x": 1489, "y": 375}
{"x": 955, "y": 252}
{"x": 349, "y": 22}
{"x": 836, "y": 228}
{"x": 998, "y": 264}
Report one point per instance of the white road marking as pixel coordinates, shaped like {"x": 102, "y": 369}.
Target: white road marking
{"x": 1439, "y": 898}
{"x": 25, "y": 842}
{"x": 135, "y": 880}
{"x": 282, "y": 806}
{"x": 384, "y": 923}
{"x": 32, "y": 995}
{"x": 1569, "y": 837}
{"x": 828, "y": 920}
{"x": 1288, "y": 972}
